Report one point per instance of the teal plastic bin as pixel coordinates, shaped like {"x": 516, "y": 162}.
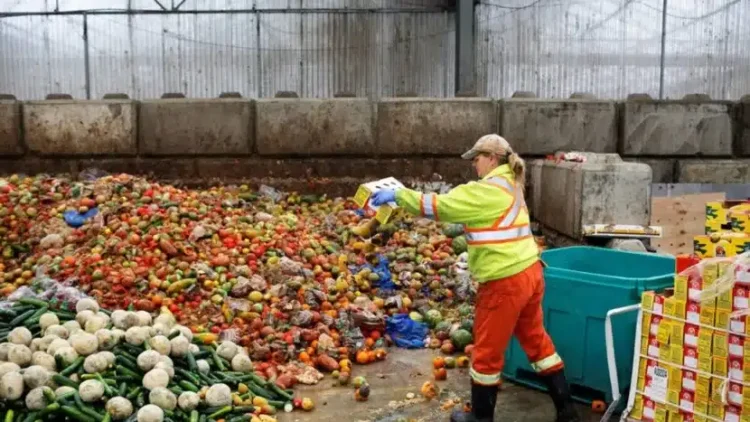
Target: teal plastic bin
{"x": 582, "y": 284}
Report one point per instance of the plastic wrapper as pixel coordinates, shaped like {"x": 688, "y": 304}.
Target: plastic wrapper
{"x": 45, "y": 288}
{"x": 238, "y": 305}
{"x": 231, "y": 334}
{"x": 718, "y": 276}
{"x": 302, "y": 319}
{"x": 405, "y": 332}
{"x": 270, "y": 192}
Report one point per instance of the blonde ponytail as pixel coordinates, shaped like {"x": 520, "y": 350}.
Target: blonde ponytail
{"x": 518, "y": 166}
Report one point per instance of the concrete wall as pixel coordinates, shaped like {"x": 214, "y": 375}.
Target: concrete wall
{"x": 333, "y": 144}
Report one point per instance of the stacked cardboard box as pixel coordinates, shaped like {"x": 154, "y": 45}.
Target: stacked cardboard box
{"x": 694, "y": 359}
{"x": 727, "y": 230}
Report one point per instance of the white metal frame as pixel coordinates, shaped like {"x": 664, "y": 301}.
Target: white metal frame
{"x": 612, "y": 362}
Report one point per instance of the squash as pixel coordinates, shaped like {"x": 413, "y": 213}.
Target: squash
{"x": 433, "y": 317}
{"x": 461, "y": 338}
{"x": 459, "y": 245}
{"x": 453, "y": 230}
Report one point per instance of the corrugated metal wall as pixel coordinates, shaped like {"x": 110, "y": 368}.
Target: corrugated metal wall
{"x": 612, "y": 48}
{"x": 258, "y": 53}
{"x": 552, "y": 47}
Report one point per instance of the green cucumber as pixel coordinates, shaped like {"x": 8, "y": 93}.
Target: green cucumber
{"x": 217, "y": 360}
{"x": 33, "y": 302}
{"x": 76, "y": 415}
{"x": 191, "y": 362}
{"x": 187, "y": 385}
{"x": 223, "y": 411}
{"x": 17, "y": 320}
{"x": 72, "y": 367}
{"x": 61, "y": 380}
{"x": 280, "y": 391}
{"x": 31, "y": 417}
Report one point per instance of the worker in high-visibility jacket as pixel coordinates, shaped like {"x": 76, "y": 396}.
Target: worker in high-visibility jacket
{"x": 504, "y": 259}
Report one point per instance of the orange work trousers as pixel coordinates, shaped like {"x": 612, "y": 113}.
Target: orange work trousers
{"x": 505, "y": 307}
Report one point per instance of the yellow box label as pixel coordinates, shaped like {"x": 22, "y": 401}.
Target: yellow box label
{"x": 724, "y": 301}
{"x": 675, "y": 354}
{"x": 701, "y": 405}
{"x": 673, "y": 396}
{"x": 678, "y": 333}
{"x": 362, "y": 195}
{"x": 722, "y": 319}
{"x": 680, "y": 309}
{"x": 720, "y": 344}
{"x": 712, "y": 227}
{"x": 664, "y": 351}
{"x": 708, "y": 314}
{"x": 665, "y": 329}
{"x": 674, "y": 381}
{"x": 715, "y": 245}
{"x": 647, "y": 301}
{"x": 705, "y": 340}
{"x": 660, "y": 414}
{"x": 681, "y": 287}
{"x": 722, "y": 267}
{"x": 702, "y": 387}
{"x": 704, "y": 363}
{"x": 716, "y": 384}
{"x": 669, "y": 306}
{"x": 384, "y": 213}
{"x": 715, "y": 211}
{"x": 716, "y": 410}
{"x": 740, "y": 222}
{"x": 720, "y": 366}
{"x": 637, "y": 412}
{"x": 710, "y": 270}
{"x": 641, "y": 383}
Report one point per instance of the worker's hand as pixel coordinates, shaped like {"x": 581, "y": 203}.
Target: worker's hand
{"x": 382, "y": 197}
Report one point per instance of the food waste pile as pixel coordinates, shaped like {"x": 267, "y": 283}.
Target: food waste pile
{"x": 302, "y": 285}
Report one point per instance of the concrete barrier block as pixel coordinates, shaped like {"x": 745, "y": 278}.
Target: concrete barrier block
{"x": 743, "y": 126}
{"x": 713, "y": 171}
{"x": 544, "y": 126}
{"x": 63, "y": 127}
{"x": 680, "y": 128}
{"x": 32, "y": 166}
{"x": 433, "y": 126}
{"x": 159, "y": 168}
{"x": 196, "y": 126}
{"x": 663, "y": 170}
{"x": 339, "y": 126}
{"x": 10, "y": 128}
{"x": 591, "y": 193}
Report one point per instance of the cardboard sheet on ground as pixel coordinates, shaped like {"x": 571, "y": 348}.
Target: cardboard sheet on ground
{"x": 681, "y": 218}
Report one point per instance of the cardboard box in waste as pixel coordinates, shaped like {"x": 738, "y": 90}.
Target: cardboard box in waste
{"x": 365, "y": 192}
{"x": 723, "y": 244}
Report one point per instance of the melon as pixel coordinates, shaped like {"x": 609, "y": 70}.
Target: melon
{"x": 433, "y": 317}
{"x": 416, "y": 316}
{"x": 459, "y": 245}
{"x": 453, "y": 230}
{"x": 461, "y": 338}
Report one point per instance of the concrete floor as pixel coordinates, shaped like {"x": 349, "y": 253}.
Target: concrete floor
{"x": 403, "y": 372}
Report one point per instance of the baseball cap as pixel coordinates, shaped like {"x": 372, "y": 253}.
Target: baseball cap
{"x": 490, "y": 144}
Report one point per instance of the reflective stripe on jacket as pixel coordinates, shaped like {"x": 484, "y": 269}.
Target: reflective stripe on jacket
{"x": 495, "y": 219}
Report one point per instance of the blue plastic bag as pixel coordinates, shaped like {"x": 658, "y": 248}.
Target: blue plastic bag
{"x": 385, "y": 282}
{"x": 76, "y": 219}
{"x": 405, "y": 332}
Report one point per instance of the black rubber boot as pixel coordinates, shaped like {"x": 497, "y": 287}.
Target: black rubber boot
{"x": 483, "y": 399}
{"x": 560, "y": 393}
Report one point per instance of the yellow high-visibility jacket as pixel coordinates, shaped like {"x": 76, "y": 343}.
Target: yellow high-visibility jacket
{"x": 495, "y": 218}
